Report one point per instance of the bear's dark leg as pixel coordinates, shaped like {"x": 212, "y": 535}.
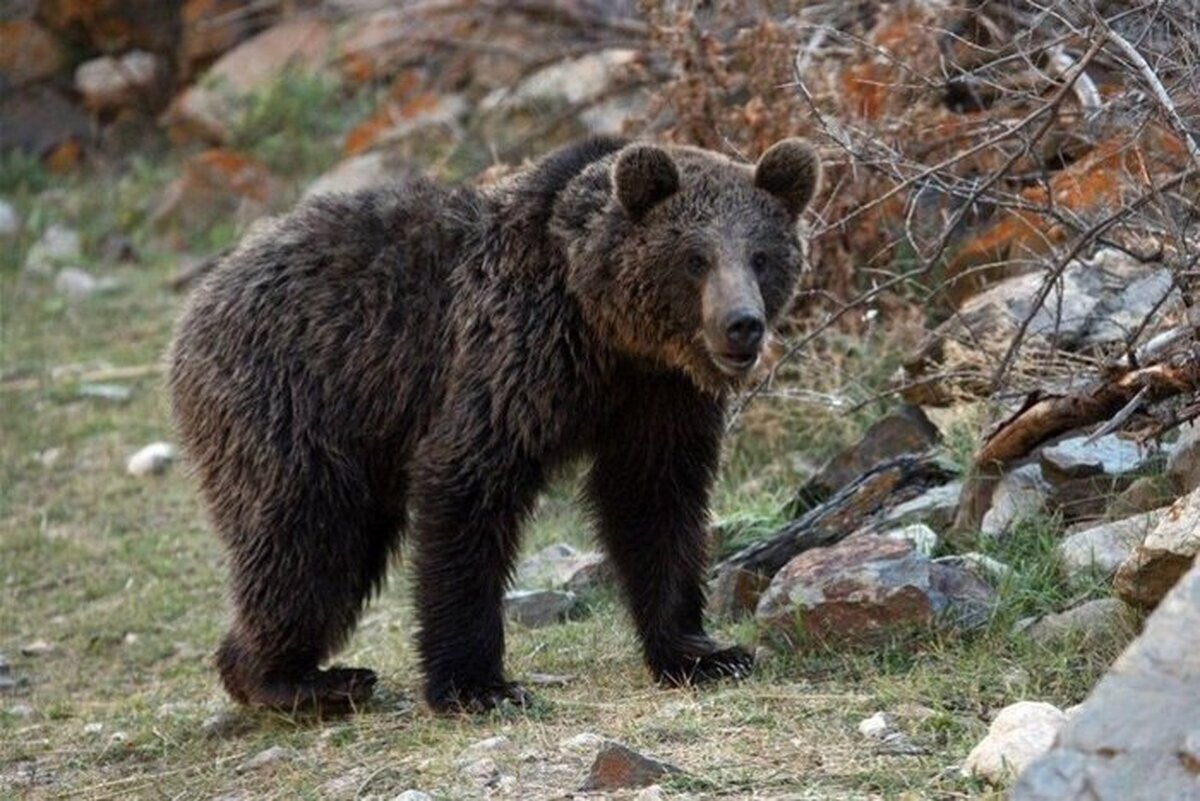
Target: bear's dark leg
{"x": 649, "y": 490}
{"x": 302, "y": 572}
{"x": 469, "y": 500}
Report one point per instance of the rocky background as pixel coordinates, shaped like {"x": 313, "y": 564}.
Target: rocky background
{"x": 976, "y": 444}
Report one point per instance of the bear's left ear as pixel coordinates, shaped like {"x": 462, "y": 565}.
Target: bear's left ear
{"x": 643, "y": 177}
{"x": 790, "y": 170}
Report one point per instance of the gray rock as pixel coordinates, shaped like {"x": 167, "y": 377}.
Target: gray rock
{"x": 537, "y": 608}
{"x": 413, "y": 795}
{"x": 1163, "y": 556}
{"x": 152, "y": 460}
{"x": 1183, "y": 463}
{"x": 1108, "y": 455}
{"x": 57, "y": 247}
{"x": 877, "y": 726}
{"x": 1101, "y": 549}
{"x": 356, "y": 173}
{"x": 584, "y": 742}
{"x": 1019, "y": 734}
{"x": 618, "y": 767}
{"x": 571, "y": 81}
{"x": 486, "y": 747}
{"x": 275, "y": 755}
{"x": 1100, "y": 620}
{"x": 38, "y": 648}
{"x": 1021, "y": 494}
{"x": 79, "y": 285}
{"x": 1136, "y": 737}
{"x": 935, "y": 508}
{"x": 10, "y": 222}
{"x": 560, "y": 566}
{"x": 1122, "y": 315}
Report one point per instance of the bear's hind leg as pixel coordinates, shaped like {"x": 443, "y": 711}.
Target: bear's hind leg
{"x": 300, "y": 580}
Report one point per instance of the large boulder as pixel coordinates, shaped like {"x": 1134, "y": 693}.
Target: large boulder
{"x": 1166, "y": 554}
{"x": 1136, "y": 738}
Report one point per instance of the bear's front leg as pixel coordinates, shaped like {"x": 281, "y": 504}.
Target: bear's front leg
{"x": 468, "y": 507}
{"x": 649, "y": 489}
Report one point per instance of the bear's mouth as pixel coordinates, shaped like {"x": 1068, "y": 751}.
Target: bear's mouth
{"x": 735, "y": 364}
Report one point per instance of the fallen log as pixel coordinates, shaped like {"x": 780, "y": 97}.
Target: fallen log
{"x": 1043, "y": 418}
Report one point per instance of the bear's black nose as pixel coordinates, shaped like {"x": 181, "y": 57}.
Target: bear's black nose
{"x": 744, "y": 331}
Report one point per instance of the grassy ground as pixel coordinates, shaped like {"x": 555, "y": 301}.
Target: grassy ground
{"x": 120, "y": 580}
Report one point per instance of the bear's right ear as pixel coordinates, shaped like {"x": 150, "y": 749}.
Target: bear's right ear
{"x": 644, "y": 176}
{"x": 790, "y": 170}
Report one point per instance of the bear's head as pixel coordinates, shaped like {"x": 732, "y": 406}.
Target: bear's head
{"x": 686, "y": 258}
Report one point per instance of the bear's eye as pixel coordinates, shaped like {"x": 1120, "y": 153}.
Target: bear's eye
{"x": 697, "y": 264}
{"x": 759, "y": 262}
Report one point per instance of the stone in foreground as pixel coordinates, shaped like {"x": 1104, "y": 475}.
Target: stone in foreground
{"x": 1137, "y": 737}
{"x": 1019, "y": 734}
{"x": 537, "y": 608}
{"x": 620, "y": 768}
{"x": 1101, "y": 549}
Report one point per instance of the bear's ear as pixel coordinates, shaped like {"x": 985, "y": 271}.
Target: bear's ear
{"x": 644, "y": 176}
{"x": 790, "y": 170}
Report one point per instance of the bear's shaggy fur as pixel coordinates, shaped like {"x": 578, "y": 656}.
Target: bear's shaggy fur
{"x": 420, "y": 359}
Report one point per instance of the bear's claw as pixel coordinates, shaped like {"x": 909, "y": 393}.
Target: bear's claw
{"x": 477, "y": 700}
{"x": 734, "y": 662}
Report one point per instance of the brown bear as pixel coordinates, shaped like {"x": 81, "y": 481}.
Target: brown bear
{"x": 419, "y": 359}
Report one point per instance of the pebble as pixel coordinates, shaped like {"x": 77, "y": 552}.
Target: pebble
{"x": 23, "y": 711}
{"x": 152, "y": 460}
{"x": 877, "y": 726}
{"x": 77, "y": 284}
{"x": 93, "y": 728}
{"x": 271, "y": 756}
{"x": 10, "y": 223}
{"x": 413, "y": 795}
{"x": 115, "y": 393}
{"x": 37, "y": 648}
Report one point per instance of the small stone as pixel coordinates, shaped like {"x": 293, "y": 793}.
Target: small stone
{"x": 877, "y": 726}
{"x": 549, "y": 679}
{"x": 413, "y": 795}
{"x": 923, "y": 538}
{"x": 57, "y": 247}
{"x": 93, "y": 728}
{"x": 537, "y": 608}
{"x": 1019, "y": 734}
{"x": 1103, "y": 619}
{"x": 584, "y": 742}
{"x": 483, "y": 770}
{"x": 114, "y": 393}
{"x": 117, "y": 737}
{"x": 1020, "y": 495}
{"x": 174, "y": 709}
{"x": 1081, "y": 457}
{"x": 560, "y": 566}
{"x": 274, "y": 755}
{"x": 652, "y": 793}
{"x": 38, "y": 648}
{"x": 152, "y": 460}
{"x": 10, "y": 223}
{"x": 491, "y": 745}
{"x": 935, "y": 508}
{"x": 618, "y": 767}
{"x": 79, "y": 285}
{"x": 1101, "y": 549}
